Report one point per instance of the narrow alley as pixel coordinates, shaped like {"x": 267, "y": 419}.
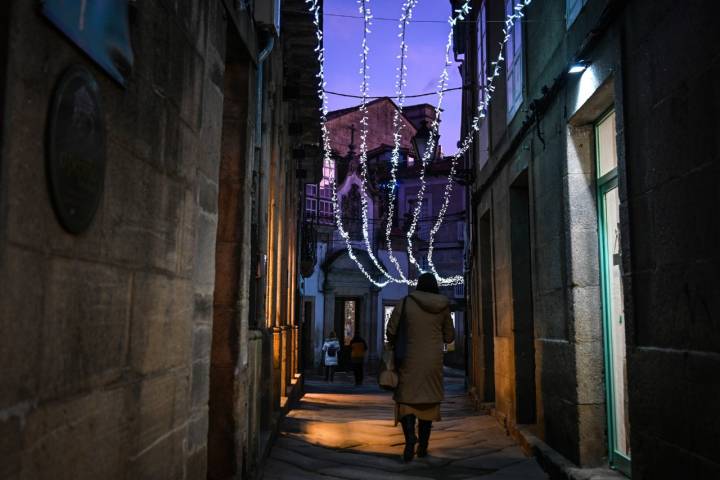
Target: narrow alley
{"x": 206, "y": 206}
{"x": 340, "y": 431}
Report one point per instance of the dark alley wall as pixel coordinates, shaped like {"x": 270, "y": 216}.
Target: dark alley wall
{"x": 104, "y": 349}
{"x": 672, "y": 63}
{"x": 655, "y": 63}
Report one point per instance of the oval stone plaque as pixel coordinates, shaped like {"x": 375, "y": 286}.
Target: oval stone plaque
{"x": 75, "y": 146}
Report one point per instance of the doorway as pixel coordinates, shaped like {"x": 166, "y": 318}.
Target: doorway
{"x": 612, "y": 293}
{"x": 487, "y": 309}
{"x": 347, "y": 322}
{"x": 523, "y": 321}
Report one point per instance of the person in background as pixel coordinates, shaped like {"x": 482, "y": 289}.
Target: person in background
{"x": 331, "y": 352}
{"x": 428, "y": 325}
{"x": 358, "y": 347}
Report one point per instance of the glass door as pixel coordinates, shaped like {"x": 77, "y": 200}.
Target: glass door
{"x": 612, "y": 294}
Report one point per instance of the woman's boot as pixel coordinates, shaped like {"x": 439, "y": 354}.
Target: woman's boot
{"x": 424, "y": 428}
{"x": 408, "y": 426}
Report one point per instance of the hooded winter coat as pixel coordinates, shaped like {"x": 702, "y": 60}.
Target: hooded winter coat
{"x": 429, "y": 325}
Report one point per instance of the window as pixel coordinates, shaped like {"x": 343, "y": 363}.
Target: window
{"x": 310, "y": 207}
{"x": 572, "y": 10}
{"x": 459, "y": 291}
{"x": 410, "y": 161}
{"x": 460, "y": 231}
{"x": 310, "y": 200}
{"x": 513, "y": 55}
{"x": 328, "y": 173}
{"x": 325, "y": 209}
{"x": 482, "y": 52}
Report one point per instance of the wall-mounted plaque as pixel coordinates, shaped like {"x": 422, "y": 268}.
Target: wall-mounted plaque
{"x": 75, "y": 149}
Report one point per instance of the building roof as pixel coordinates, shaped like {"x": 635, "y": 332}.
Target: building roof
{"x": 344, "y": 125}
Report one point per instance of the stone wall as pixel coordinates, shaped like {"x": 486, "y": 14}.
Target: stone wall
{"x": 653, "y": 63}
{"x": 672, "y": 57}
{"x": 106, "y": 334}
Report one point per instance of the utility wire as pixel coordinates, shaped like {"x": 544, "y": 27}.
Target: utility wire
{"x": 418, "y": 95}
{"x": 386, "y": 19}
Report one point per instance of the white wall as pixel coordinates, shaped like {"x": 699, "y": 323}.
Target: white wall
{"x": 393, "y": 292}
{"x": 313, "y": 284}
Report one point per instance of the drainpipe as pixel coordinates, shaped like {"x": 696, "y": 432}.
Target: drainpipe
{"x": 259, "y": 90}
{"x": 258, "y": 244}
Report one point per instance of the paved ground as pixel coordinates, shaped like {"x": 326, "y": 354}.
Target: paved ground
{"x": 344, "y": 432}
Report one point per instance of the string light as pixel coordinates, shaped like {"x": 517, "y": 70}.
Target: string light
{"x": 488, "y": 90}
{"x": 431, "y": 144}
{"x": 400, "y": 84}
{"x": 364, "y": 90}
{"x": 461, "y": 12}
{"x": 314, "y": 8}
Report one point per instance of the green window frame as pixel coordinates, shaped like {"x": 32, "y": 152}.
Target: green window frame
{"x": 607, "y": 182}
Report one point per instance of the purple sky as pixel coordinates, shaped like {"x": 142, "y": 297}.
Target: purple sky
{"x": 426, "y": 56}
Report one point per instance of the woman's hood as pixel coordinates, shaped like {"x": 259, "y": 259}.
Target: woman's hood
{"x": 431, "y": 302}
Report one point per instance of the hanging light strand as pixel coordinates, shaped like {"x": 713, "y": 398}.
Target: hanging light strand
{"x": 314, "y": 8}
{"x": 398, "y": 125}
{"x": 488, "y": 90}
{"x": 363, "y": 6}
{"x": 428, "y": 155}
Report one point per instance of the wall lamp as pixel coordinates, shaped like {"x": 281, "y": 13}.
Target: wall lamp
{"x": 579, "y": 66}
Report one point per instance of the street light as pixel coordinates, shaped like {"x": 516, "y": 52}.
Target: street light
{"x": 421, "y": 139}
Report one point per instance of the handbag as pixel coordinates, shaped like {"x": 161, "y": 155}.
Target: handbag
{"x": 388, "y": 377}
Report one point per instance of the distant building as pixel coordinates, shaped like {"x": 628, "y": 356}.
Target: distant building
{"x": 336, "y": 295}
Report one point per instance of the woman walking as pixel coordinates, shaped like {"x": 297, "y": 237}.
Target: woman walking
{"x": 418, "y": 327}
{"x": 331, "y": 351}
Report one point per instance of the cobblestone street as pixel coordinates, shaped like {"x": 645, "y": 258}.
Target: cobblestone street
{"x": 343, "y": 432}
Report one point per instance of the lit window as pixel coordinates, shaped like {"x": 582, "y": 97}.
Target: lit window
{"x": 410, "y": 161}
{"x": 513, "y": 54}
{"x": 328, "y": 173}
{"x": 311, "y": 190}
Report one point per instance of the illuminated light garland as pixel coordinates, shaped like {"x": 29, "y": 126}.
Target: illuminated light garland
{"x": 364, "y": 90}
{"x": 400, "y": 84}
{"x": 488, "y": 88}
{"x": 431, "y": 145}
{"x": 314, "y": 8}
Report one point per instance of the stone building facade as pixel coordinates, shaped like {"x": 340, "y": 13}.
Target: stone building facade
{"x": 593, "y": 249}
{"x": 336, "y": 288}
{"x": 160, "y": 342}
